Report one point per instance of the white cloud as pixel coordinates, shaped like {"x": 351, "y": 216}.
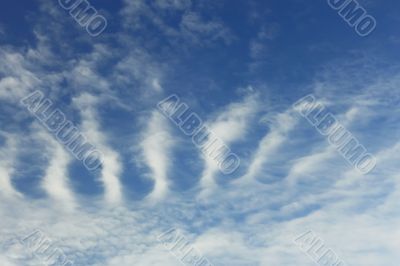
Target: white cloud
{"x": 56, "y": 179}
{"x": 281, "y": 125}
{"x": 111, "y": 162}
{"x": 250, "y": 224}
{"x": 16, "y": 81}
{"x": 156, "y": 148}
{"x": 230, "y": 125}
{"x": 8, "y": 155}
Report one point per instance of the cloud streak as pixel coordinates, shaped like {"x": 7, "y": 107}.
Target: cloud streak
{"x": 156, "y": 148}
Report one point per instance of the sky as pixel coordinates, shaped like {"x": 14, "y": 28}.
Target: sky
{"x": 239, "y": 66}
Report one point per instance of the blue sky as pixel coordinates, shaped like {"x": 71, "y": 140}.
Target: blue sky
{"x": 240, "y": 66}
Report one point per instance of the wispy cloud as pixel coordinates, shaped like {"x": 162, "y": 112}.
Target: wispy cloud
{"x": 280, "y": 127}
{"x": 248, "y": 222}
{"x": 56, "y": 181}
{"x": 8, "y": 154}
{"x": 111, "y": 163}
{"x": 230, "y": 125}
{"x": 157, "y": 148}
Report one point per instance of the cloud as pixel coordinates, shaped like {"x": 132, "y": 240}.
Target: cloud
{"x": 8, "y": 155}
{"x": 230, "y": 125}
{"x": 259, "y": 45}
{"x": 198, "y": 31}
{"x": 193, "y": 29}
{"x": 111, "y": 163}
{"x": 281, "y": 125}
{"x": 16, "y": 81}
{"x": 248, "y": 223}
{"x": 173, "y": 4}
{"x": 56, "y": 180}
{"x": 156, "y": 148}
{"x": 139, "y": 66}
